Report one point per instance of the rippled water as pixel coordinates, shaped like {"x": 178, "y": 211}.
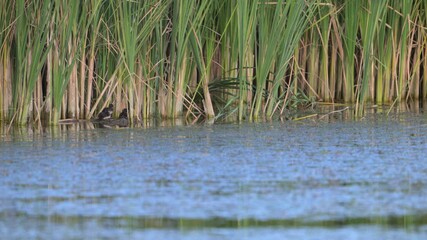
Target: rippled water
{"x": 362, "y": 179}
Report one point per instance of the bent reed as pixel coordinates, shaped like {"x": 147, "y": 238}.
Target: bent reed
{"x": 70, "y": 59}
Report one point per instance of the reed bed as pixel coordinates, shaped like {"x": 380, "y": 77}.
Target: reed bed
{"x": 162, "y": 58}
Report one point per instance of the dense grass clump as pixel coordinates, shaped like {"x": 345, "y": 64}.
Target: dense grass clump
{"x": 69, "y": 59}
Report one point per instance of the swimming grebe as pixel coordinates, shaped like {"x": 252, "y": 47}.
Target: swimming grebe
{"x": 106, "y": 113}
{"x": 124, "y": 114}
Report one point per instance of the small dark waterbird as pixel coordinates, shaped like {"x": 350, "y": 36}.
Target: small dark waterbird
{"x": 122, "y": 121}
{"x": 106, "y": 113}
{"x": 124, "y": 114}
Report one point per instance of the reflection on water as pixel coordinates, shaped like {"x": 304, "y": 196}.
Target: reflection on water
{"x": 309, "y": 179}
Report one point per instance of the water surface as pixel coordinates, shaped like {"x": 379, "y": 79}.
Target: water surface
{"x": 363, "y": 179}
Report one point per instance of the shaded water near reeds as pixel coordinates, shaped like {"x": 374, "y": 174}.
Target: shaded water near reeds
{"x": 310, "y": 179}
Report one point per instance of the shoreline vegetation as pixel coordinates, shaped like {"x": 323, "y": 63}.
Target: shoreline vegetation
{"x": 206, "y": 59}
{"x": 409, "y": 114}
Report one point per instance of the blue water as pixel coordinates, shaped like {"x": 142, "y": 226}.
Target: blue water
{"x": 363, "y": 179}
